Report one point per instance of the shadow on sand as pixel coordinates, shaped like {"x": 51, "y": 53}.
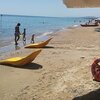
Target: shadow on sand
{"x": 31, "y": 66}
{"x": 48, "y": 47}
{"x": 45, "y": 47}
{"x": 93, "y": 95}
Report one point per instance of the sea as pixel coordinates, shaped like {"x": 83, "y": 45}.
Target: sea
{"x": 41, "y": 26}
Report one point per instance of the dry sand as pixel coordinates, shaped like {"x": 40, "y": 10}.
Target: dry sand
{"x": 60, "y": 72}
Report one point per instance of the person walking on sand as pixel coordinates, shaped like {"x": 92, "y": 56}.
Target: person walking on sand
{"x": 32, "y": 39}
{"x": 17, "y": 33}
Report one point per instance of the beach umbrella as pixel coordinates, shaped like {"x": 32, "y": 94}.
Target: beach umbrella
{"x": 82, "y": 3}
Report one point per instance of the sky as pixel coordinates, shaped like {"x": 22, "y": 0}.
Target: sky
{"x": 54, "y": 8}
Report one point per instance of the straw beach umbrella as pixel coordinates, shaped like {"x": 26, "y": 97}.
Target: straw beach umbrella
{"x": 82, "y": 3}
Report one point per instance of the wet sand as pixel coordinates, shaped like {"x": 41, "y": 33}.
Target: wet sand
{"x": 60, "y": 72}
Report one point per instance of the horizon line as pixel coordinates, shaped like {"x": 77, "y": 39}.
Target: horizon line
{"x": 44, "y": 16}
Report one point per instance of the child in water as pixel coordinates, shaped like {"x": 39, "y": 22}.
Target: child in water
{"x": 24, "y": 35}
{"x": 32, "y": 39}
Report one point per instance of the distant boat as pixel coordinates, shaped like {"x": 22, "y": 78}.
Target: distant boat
{"x": 87, "y": 25}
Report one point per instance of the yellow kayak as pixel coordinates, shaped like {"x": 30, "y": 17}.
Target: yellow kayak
{"x": 20, "y": 61}
{"x": 38, "y": 45}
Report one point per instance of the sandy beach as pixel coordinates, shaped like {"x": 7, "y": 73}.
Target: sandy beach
{"x": 62, "y": 71}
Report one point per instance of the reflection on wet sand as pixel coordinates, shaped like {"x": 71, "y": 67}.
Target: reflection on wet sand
{"x": 24, "y": 43}
{"x": 17, "y": 47}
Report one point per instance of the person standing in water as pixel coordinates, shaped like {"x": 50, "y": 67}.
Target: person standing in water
{"x": 17, "y": 33}
{"x": 32, "y": 39}
{"x": 24, "y": 35}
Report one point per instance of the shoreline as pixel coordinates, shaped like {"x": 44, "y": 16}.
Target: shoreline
{"x": 65, "y": 71}
{"x": 10, "y": 46}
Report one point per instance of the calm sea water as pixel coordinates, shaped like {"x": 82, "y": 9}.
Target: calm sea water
{"x": 34, "y": 25}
